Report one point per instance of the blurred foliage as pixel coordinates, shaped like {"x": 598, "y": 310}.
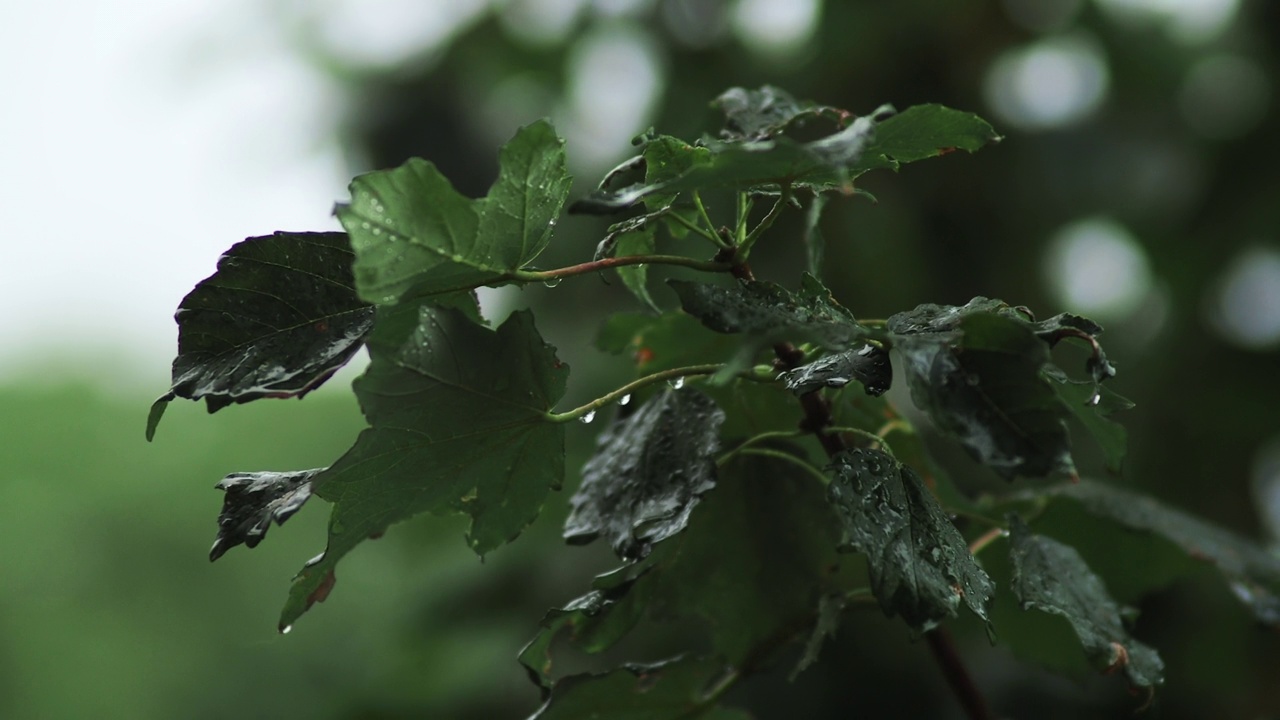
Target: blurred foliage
{"x": 116, "y": 601}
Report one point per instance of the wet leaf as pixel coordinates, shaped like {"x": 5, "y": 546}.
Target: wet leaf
{"x": 868, "y": 365}
{"x": 770, "y": 312}
{"x": 648, "y": 473}
{"x": 445, "y": 435}
{"x": 414, "y": 235}
{"x": 636, "y": 277}
{"x": 253, "y": 501}
{"x": 1093, "y": 405}
{"x": 1253, "y": 573}
{"x": 920, "y": 565}
{"x": 662, "y": 342}
{"x": 926, "y": 131}
{"x": 670, "y": 690}
{"x": 762, "y": 113}
{"x": 830, "y": 607}
{"x": 978, "y": 375}
{"x": 1052, "y": 577}
{"x": 278, "y": 317}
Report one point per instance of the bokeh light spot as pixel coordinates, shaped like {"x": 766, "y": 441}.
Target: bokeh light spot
{"x": 773, "y": 27}
{"x": 1246, "y": 305}
{"x": 1048, "y": 84}
{"x": 1097, "y": 267}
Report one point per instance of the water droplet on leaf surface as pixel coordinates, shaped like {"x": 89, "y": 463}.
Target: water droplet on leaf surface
{"x": 585, "y": 419}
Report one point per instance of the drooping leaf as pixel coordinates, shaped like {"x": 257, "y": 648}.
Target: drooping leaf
{"x": 636, "y": 277}
{"x": 762, "y": 113}
{"x": 671, "y": 690}
{"x": 830, "y": 607}
{"x": 868, "y": 365}
{"x": 414, "y": 235}
{"x": 814, "y": 244}
{"x": 278, "y": 317}
{"x": 648, "y": 473}
{"x": 253, "y": 501}
{"x": 752, "y": 602}
{"x": 1052, "y": 577}
{"x": 920, "y": 566}
{"x": 457, "y": 424}
{"x": 1252, "y": 572}
{"x": 978, "y": 375}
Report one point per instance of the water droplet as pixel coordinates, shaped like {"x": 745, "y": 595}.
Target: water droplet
{"x": 377, "y": 231}
{"x": 1097, "y": 398}
{"x": 286, "y": 629}
{"x": 364, "y": 226}
{"x": 585, "y": 419}
{"x": 624, "y": 399}
{"x": 552, "y": 282}
{"x": 866, "y": 350}
{"x": 1004, "y": 533}
{"x": 677, "y": 383}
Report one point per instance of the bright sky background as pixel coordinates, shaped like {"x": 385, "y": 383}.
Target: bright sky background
{"x": 139, "y": 139}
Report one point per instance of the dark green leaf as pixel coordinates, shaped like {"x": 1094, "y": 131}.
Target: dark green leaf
{"x": 457, "y": 414}
{"x": 414, "y": 235}
{"x": 1253, "y": 573}
{"x": 753, "y": 602}
{"x": 278, "y": 317}
{"x": 648, "y": 473}
{"x": 672, "y": 690}
{"x": 920, "y": 566}
{"x": 978, "y": 376}
{"x": 830, "y": 607}
{"x": 925, "y": 131}
{"x": 815, "y": 245}
{"x": 868, "y": 365}
{"x": 1093, "y": 406}
{"x": 253, "y": 500}
{"x": 662, "y": 342}
{"x": 763, "y": 113}
{"x": 770, "y": 312}
{"x": 1051, "y": 577}
{"x": 590, "y": 620}
{"x": 636, "y": 277}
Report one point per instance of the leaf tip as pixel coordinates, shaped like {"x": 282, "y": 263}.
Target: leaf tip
{"x": 157, "y": 411}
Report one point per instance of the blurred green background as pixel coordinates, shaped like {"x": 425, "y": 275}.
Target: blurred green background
{"x": 1136, "y": 185}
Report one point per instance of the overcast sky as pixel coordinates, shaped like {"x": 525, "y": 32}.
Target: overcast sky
{"x": 139, "y": 139}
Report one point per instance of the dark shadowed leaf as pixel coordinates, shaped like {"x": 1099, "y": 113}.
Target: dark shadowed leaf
{"x": 414, "y": 235}
{"x": 830, "y": 607}
{"x": 278, "y": 317}
{"x": 1253, "y": 573}
{"x": 920, "y": 566}
{"x": 1052, "y": 577}
{"x": 648, "y": 473}
{"x": 672, "y": 690}
{"x": 978, "y": 374}
{"x": 770, "y": 312}
{"x": 868, "y": 365}
{"x": 1093, "y": 404}
{"x": 663, "y": 342}
{"x": 636, "y": 277}
{"x": 446, "y": 435}
{"x": 814, "y": 243}
{"x": 253, "y": 501}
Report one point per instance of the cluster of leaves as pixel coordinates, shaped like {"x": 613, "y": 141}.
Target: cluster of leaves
{"x": 747, "y": 481}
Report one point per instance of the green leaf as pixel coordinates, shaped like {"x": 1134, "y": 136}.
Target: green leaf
{"x": 648, "y": 473}
{"x": 1052, "y": 577}
{"x": 457, "y": 415}
{"x": 830, "y": 608}
{"x": 753, "y": 602}
{"x": 278, "y": 317}
{"x": 591, "y": 621}
{"x": 765, "y": 112}
{"x": 676, "y": 689}
{"x": 414, "y": 235}
{"x": 868, "y": 365}
{"x": 814, "y": 243}
{"x": 1093, "y": 406}
{"x": 1252, "y": 572}
{"x": 635, "y": 277}
{"x": 770, "y": 312}
{"x": 920, "y": 566}
{"x": 662, "y": 342}
{"x": 925, "y": 131}
{"x": 253, "y": 500}
{"x": 977, "y": 373}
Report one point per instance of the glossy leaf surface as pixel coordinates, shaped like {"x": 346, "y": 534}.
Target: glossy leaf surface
{"x": 413, "y": 234}
{"x": 253, "y": 501}
{"x": 1052, "y": 577}
{"x": 1253, "y": 573}
{"x": 770, "y": 312}
{"x": 278, "y": 317}
{"x": 446, "y": 435}
{"x": 920, "y": 565}
{"x": 648, "y": 473}
{"x": 869, "y": 365}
